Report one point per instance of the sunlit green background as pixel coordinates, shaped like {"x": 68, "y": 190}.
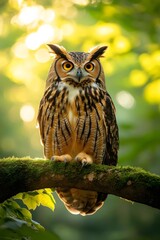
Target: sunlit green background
{"x": 131, "y": 29}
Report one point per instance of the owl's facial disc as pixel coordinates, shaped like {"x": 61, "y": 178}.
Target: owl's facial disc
{"x": 80, "y": 72}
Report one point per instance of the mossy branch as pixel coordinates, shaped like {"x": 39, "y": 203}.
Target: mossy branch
{"x": 25, "y": 174}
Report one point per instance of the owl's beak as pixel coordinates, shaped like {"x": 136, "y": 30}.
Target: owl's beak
{"x": 79, "y": 74}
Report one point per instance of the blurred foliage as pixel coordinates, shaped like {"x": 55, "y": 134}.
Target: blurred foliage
{"x": 131, "y": 29}
{"x": 16, "y": 221}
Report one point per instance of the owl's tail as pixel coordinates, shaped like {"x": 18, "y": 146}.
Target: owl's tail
{"x": 81, "y": 202}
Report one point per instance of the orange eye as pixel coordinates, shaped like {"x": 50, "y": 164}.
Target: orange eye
{"x": 89, "y": 66}
{"x": 67, "y": 66}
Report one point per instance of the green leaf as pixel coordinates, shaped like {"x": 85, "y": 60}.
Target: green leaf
{"x": 12, "y": 215}
{"x": 36, "y": 198}
{"x": 18, "y": 230}
{"x": 46, "y": 199}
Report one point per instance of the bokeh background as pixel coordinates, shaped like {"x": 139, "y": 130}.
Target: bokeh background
{"x": 131, "y": 29}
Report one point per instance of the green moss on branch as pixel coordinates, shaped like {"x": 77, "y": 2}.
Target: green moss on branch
{"x": 26, "y": 174}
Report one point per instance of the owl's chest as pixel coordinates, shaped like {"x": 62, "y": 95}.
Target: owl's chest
{"x": 72, "y": 96}
{"x": 82, "y": 104}
{"x": 77, "y": 106}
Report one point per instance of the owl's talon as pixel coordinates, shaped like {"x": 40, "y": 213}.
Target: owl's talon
{"x": 84, "y": 163}
{"x": 53, "y": 158}
{"x": 65, "y": 161}
{"x": 84, "y": 159}
{"x": 63, "y": 158}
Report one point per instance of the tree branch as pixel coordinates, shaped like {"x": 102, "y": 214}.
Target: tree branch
{"x": 25, "y": 174}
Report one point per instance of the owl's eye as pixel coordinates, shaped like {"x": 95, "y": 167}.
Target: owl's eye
{"x": 67, "y": 66}
{"x": 89, "y": 66}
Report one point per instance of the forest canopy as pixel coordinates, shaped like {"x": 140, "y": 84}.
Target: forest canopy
{"x": 131, "y": 63}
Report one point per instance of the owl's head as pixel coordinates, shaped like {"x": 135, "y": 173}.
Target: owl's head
{"x": 77, "y": 68}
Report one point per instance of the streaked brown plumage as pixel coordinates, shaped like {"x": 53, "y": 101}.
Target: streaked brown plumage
{"x": 77, "y": 120}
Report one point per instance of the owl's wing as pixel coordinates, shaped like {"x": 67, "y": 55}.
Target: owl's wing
{"x": 40, "y": 119}
{"x": 55, "y": 129}
{"x": 45, "y": 119}
{"x": 112, "y": 137}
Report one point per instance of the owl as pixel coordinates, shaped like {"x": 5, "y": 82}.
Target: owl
{"x": 77, "y": 120}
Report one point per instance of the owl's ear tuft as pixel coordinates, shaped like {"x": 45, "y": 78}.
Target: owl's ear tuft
{"x": 97, "y": 52}
{"x": 59, "y": 50}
